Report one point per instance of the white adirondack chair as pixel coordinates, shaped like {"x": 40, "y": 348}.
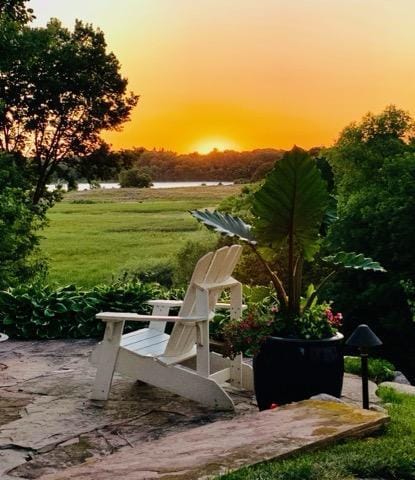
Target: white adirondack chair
{"x": 168, "y": 361}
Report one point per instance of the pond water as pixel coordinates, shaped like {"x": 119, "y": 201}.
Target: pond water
{"x": 109, "y": 185}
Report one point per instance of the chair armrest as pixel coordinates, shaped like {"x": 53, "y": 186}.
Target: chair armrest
{"x": 227, "y": 306}
{"x": 179, "y": 303}
{"x": 134, "y": 317}
{"x": 165, "y": 303}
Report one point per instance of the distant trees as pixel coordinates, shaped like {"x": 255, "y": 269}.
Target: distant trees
{"x": 163, "y": 165}
{"x": 58, "y": 90}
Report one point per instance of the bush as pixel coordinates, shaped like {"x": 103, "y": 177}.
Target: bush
{"x": 379, "y": 370}
{"x": 188, "y": 256}
{"x": 161, "y": 273}
{"x": 20, "y": 258}
{"x": 134, "y": 178}
{"x": 42, "y": 312}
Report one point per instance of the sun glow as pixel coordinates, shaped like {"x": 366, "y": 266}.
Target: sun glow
{"x": 209, "y": 144}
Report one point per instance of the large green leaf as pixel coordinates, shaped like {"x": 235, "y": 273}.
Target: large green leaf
{"x": 225, "y": 224}
{"x": 356, "y": 261}
{"x": 291, "y": 203}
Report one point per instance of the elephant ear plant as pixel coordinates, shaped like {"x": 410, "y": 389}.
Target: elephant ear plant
{"x": 291, "y": 210}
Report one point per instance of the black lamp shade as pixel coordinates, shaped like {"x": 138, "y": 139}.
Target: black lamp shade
{"x": 363, "y": 337}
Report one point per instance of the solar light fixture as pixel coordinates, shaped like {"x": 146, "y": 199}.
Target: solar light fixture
{"x": 363, "y": 338}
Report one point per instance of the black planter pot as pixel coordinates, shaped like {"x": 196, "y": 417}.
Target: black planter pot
{"x": 288, "y": 370}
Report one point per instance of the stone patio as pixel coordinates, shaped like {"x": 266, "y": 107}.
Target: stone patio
{"x": 48, "y": 425}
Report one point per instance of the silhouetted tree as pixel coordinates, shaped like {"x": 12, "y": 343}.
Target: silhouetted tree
{"x": 58, "y": 90}
{"x": 16, "y": 11}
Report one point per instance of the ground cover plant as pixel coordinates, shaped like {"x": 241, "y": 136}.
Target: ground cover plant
{"x": 97, "y": 235}
{"x": 388, "y": 456}
{"x": 379, "y": 370}
{"x": 42, "y": 312}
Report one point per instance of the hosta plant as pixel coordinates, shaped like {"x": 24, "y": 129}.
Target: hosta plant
{"x": 291, "y": 211}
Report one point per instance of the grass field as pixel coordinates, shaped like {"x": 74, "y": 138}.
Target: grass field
{"x": 93, "y": 236}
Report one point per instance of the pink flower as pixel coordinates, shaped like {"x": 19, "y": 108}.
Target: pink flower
{"x": 329, "y": 314}
{"x": 336, "y": 320}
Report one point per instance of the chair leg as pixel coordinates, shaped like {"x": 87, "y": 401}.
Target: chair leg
{"x": 203, "y": 354}
{"x": 108, "y": 357}
{"x": 236, "y": 371}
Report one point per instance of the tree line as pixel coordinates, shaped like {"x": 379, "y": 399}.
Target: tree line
{"x": 164, "y": 165}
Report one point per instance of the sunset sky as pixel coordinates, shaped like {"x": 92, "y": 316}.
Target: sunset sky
{"x": 247, "y": 74}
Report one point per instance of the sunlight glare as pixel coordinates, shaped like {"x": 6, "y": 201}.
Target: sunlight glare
{"x": 209, "y": 144}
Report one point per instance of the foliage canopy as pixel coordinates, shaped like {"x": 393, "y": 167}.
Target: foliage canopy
{"x": 59, "y": 89}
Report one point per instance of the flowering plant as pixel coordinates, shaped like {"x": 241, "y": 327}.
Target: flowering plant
{"x": 247, "y": 335}
{"x": 291, "y": 212}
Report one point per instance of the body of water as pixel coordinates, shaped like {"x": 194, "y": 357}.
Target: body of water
{"x": 108, "y": 185}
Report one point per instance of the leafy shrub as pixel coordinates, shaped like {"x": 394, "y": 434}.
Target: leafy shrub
{"x": 20, "y": 220}
{"x": 161, "y": 273}
{"x": 134, "y": 178}
{"x": 42, "y": 312}
{"x": 94, "y": 185}
{"x": 409, "y": 289}
{"x": 188, "y": 256}
{"x": 83, "y": 201}
{"x": 379, "y": 370}
{"x": 246, "y": 335}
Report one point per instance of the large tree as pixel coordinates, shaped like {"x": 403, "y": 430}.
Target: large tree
{"x": 59, "y": 89}
{"x": 374, "y": 167}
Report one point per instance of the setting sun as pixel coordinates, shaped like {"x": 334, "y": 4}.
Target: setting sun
{"x": 209, "y": 144}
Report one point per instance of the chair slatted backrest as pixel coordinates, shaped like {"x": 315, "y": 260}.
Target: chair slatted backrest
{"x": 213, "y": 268}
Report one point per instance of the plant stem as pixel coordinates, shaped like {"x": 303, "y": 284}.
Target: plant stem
{"x": 297, "y": 281}
{"x": 282, "y": 295}
{"x": 322, "y": 283}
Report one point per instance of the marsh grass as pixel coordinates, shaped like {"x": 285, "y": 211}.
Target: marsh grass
{"x": 94, "y": 236}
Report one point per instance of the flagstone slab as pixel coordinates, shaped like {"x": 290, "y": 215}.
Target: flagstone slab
{"x": 223, "y": 446}
{"x": 352, "y": 390}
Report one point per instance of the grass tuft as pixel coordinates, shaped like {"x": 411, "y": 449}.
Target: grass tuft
{"x": 379, "y": 370}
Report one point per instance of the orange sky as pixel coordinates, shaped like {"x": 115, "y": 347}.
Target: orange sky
{"x": 248, "y": 74}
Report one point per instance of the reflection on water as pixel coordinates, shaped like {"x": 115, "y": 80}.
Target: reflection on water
{"x": 106, "y": 185}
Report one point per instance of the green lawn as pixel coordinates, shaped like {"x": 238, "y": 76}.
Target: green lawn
{"x": 389, "y": 455}
{"x": 93, "y": 236}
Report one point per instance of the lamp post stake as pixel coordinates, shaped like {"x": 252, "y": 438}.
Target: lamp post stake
{"x": 363, "y": 338}
{"x": 365, "y": 380}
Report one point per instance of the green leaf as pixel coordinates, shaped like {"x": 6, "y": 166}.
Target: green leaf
{"x": 7, "y": 320}
{"x": 225, "y": 224}
{"x": 292, "y": 202}
{"x": 356, "y": 261}
{"x": 60, "y": 308}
